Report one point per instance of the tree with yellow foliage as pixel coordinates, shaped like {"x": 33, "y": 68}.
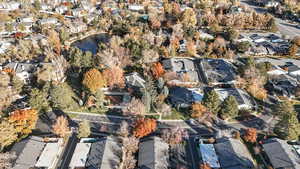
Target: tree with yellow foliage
{"x": 198, "y": 110}
{"x": 189, "y": 18}
{"x": 93, "y": 80}
{"x": 8, "y": 134}
{"x": 24, "y": 120}
{"x": 61, "y": 127}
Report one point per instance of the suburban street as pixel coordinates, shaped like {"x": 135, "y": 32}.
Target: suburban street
{"x": 285, "y": 28}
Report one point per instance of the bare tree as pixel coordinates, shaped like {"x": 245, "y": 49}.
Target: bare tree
{"x": 124, "y": 129}
{"x": 6, "y": 160}
{"x": 135, "y": 107}
{"x": 130, "y": 146}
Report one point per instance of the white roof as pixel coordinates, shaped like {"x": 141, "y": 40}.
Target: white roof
{"x": 209, "y": 155}
{"x": 136, "y": 7}
{"x": 48, "y": 155}
{"x": 80, "y": 155}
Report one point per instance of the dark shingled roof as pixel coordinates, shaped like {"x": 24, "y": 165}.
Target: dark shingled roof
{"x": 281, "y": 154}
{"x": 233, "y": 154}
{"x": 153, "y": 154}
{"x": 27, "y": 151}
{"x": 104, "y": 154}
{"x": 217, "y": 71}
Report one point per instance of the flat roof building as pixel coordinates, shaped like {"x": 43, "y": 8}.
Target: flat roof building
{"x": 80, "y": 155}
{"x": 209, "y": 155}
{"x": 50, "y": 155}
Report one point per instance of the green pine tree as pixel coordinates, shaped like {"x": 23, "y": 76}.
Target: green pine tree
{"x": 38, "y": 100}
{"x": 84, "y": 129}
{"x": 288, "y": 126}
{"x": 229, "y": 107}
{"x": 283, "y": 108}
{"x": 211, "y": 101}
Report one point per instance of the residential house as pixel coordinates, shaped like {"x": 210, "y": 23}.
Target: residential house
{"x": 293, "y": 70}
{"x": 45, "y": 7}
{"x": 282, "y": 85}
{"x": 105, "y": 153}
{"x": 217, "y": 71}
{"x": 275, "y": 38}
{"x": 153, "y": 154}
{"x": 209, "y": 156}
{"x": 48, "y": 21}
{"x": 116, "y": 100}
{"x": 205, "y": 36}
{"x": 134, "y": 80}
{"x": 78, "y": 12}
{"x": 80, "y": 155}
{"x": 235, "y": 10}
{"x": 25, "y": 19}
{"x": 243, "y": 99}
{"x": 233, "y": 154}
{"x": 87, "y": 5}
{"x": 4, "y": 46}
{"x": 10, "y": 6}
{"x": 270, "y": 4}
{"x": 135, "y": 7}
{"x": 23, "y": 70}
{"x": 257, "y": 38}
{"x": 281, "y": 155}
{"x": 77, "y": 27}
{"x": 50, "y": 155}
{"x": 61, "y": 9}
{"x": 27, "y": 152}
{"x": 258, "y": 49}
{"x": 243, "y": 38}
{"x": 183, "y": 67}
{"x": 184, "y": 97}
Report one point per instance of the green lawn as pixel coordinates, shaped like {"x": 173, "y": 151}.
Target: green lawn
{"x": 176, "y": 115}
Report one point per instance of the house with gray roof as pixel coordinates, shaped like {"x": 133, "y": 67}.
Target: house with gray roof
{"x": 153, "y": 154}
{"x": 105, "y": 153}
{"x": 184, "y": 97}
{"x": 281, "y": 155}
{"x": 244, "y": 100}
{"x": 282, "y": 85}
{"x": 135, "y": 80}
{"x": 183, "y": 66}
{"x": 27, "y": 152}
{"x": 217, "y": 71}
{"x": 233, "y": 154}
{"x": 22, "y": 70}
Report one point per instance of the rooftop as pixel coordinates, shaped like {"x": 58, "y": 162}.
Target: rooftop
{"x": 27, "y": 152}
{"x": 233, "y": 154}
{"x": 80, "y": 155}
{"x": 153, "y": 154}
{"x": 281, "y": 154}
{"x": 217, "y": 71}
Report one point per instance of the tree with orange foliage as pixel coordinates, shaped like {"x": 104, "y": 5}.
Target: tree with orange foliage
{"x": 61, "y": 127}
{"x": 93, "y": 80}
{"x": 198, "y": 110}
{"x": 204, "y": 166}
{"x": 114, "y": 77}
{"x": 144, "y": 127}
{"x": 250, "y": 135}
{"x": 157, "y": 70}
{"x": 24, "y": 120}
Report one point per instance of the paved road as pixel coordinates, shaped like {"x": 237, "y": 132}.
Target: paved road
{"x": 285, "y": 28}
